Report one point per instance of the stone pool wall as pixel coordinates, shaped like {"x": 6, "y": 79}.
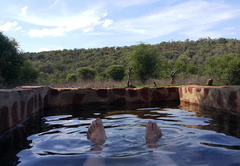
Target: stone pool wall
{"x": 112, "y": 96}
{"x": 17, "y": 104}
{"x": 225, "y": 98}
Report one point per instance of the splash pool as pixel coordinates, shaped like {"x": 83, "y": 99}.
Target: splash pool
{"x": 58, "y": 137}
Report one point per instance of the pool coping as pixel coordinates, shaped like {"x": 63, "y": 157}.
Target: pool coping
{"x": 19, "y": 103}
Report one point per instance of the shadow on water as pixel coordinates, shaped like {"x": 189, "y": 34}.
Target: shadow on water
{"x": 60, "y": 132}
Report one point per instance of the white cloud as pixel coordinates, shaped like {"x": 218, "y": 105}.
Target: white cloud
{"x": 127, "y": 3}
{"x": 8, "y": 25}
{"x": 228, "y": 28}
{"x": 193, "y": 18}
{"x": 54, "y": 4}
{"x": 18, "y": 28}
{"x": 46, "y": 32}
{"x": 58, "y": 25}
{"x": 48, "y": 49}
{"x": 43, "y": 49}
{"x": 107, "y": 22}
{"x": 24, "y": 11}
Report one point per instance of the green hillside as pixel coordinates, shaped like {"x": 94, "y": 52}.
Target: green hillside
{"x": 188, "y": 57}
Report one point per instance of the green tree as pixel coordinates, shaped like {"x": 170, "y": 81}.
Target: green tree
{"x": 86, "y": 73}
{"x": 225, "y": 68}
{"x": 11, "y": 60}
{"x": 233, "y": 72}
{"x": 15, "y": 68}
{"x": 144, "y": 60}
{"x": 71, "y": 78}
{"x": 180, "y": 66}
{"x": 29, "y": 72}
{"x": 116, "y": 72}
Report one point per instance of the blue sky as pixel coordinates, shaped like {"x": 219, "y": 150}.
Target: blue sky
{"x": 43, "y": 25}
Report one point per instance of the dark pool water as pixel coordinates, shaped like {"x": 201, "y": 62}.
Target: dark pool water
{"x": 58, "y": 137}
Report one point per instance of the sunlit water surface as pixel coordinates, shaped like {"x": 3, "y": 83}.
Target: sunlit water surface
{"x": 58, "y": 137}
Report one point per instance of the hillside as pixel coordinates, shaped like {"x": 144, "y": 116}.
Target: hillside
{"x": 188, "y": 56}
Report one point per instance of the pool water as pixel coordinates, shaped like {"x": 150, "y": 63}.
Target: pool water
{"x": 58, "y": 137}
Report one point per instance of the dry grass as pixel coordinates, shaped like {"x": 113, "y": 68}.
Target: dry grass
{"x": 149, "y": 83}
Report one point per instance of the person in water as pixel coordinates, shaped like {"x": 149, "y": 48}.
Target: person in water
{"x": 96, "y": 132}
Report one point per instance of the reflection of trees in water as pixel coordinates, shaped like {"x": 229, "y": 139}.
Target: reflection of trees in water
{"x": 220, "y": 121}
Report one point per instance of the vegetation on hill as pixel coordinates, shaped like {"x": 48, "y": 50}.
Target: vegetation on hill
{"x": 15, "y": 68}
{"x": 189, "y": 58}
{"x": 213, "y": 58}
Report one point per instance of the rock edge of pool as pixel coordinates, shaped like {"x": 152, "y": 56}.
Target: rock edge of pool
{"x": 18, "y": 104}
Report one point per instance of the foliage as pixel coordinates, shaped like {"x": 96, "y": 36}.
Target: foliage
{"x": 86, "y": 73}
{"x": 115, "y": 72}
{"x": 225, "y": 67}
{"x": 187, "y": 56}
{"x": 71, "y": 78}
{"x": 14, "y": 67}
{"x": 144, "y": 62}
{"x": 29, "y": 72}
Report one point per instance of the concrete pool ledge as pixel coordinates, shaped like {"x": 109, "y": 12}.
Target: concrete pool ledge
{"x": 19, "y": 103}
{"x": 63, "y": 96}
{"x": 225, "y": 98}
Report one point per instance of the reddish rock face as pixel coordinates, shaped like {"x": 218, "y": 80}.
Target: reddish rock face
{"x": 4, "y": 122}
{"x": 172, "y": 91}
{"x": 103, "y": 93}
{"x": 119, "y": 91}
{"x": 220, "y": 99}
{"x": 39, "y": 102}
{"x": 54, "y": 92}
{"x": 187, "y": 101}
{"x": 45, "y": 100}
{"x": 144, "y": 94}
{"x": 22, "y": 109}
{"x": 198, "y": 89}
{"x": 206, "y": 91}
{"x": 156, "y": 96}
{"x": 190, "y": 89}
{"x": 30, "y": 106}
{"x": 77, "y": 99}
{"x": 180, "y": 92}
{"x": 132, "y": 93}
{"x": 14, "y": 113}
{"x": 232, "y": 101}
{"x": 35, "y": 102}
{"x": 195, "y": 102}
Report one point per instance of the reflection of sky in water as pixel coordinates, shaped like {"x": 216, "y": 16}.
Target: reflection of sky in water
{"x": 189, "y": 138}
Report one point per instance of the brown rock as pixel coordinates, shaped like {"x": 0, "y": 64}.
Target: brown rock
{"x": 209, "y": 82}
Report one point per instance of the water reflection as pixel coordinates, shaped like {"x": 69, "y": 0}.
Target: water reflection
{"x": 191, "y": 135}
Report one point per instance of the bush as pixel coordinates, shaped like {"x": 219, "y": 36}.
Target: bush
{"x": 115, "y": 72}
{"x": 225, "y": 68}
{"x": 14, "y": 67}
{"x": 86, "y": 73}
{"x": 144, "y": 60}
{"x": 71, "y": 78}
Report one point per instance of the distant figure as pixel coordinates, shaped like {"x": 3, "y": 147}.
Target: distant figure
{"x": 226, "y": 83}
{"x": 155, "y": 85}
{"x": 209, "y": 82}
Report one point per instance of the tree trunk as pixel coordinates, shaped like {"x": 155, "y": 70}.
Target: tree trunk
{"x": 171, "y": 80}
